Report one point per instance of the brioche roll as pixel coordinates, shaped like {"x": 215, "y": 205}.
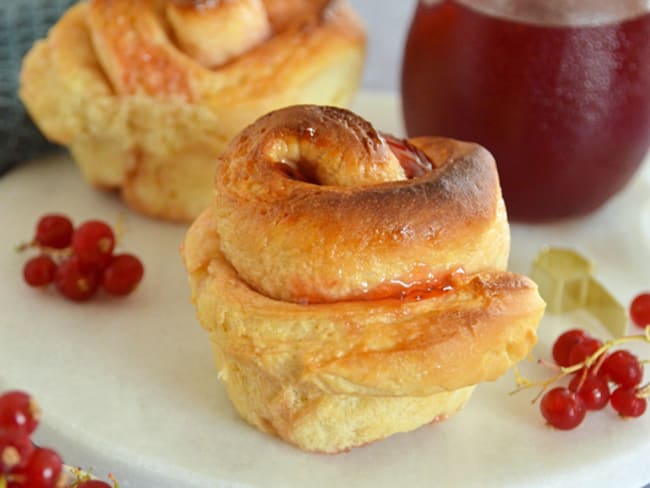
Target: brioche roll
{"x": 352, "y": 284}
{"x": 147, "y": 93}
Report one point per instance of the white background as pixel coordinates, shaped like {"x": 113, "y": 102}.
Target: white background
{"x": 387, "y": 22}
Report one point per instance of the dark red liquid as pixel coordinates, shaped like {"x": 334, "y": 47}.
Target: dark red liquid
{"x": 565, "y": 111}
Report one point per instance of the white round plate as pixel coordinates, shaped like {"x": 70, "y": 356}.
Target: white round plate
{"x": 128, "y": 386}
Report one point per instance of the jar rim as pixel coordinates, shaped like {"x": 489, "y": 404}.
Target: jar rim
{"x": 557, "y": 12}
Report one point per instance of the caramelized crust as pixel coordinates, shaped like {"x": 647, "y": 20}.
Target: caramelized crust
{"x": 214, "y": 32}
{"x": 344, "y": 301}
{"x": 353, "y": 228}
{"x": 147, "y": 93}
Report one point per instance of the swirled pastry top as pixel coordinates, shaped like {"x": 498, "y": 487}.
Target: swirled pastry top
{"x": 207, "y": 50}
{"x": 340, "y": 270}
{"x": 313, "y": 205}
{"x": 146, "y": 93}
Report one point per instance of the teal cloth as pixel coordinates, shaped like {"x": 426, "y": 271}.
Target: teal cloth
{"x": 21, "y": 23}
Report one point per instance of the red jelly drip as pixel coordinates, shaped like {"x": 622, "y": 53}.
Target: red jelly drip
{"x": 409, "y": 292}
{"x": 398, "y": 290}
{"x": 414, "y": 162}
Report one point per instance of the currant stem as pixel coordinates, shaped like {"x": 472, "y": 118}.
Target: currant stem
{"x": 113, "y": 479}
{"x": 643, "y": 391}
{"x": 121, "y": 228}
{"x": 599, "y": 363}
{"x": 599, "y": 355}
{"x": 52, "y": 251}
{"x": 549, "y": 364}
{"x": 22, "y": 247}
{"x": 3, "y": 482}
{"x": 583, "y": 376}
{"x": 79, "y": 475}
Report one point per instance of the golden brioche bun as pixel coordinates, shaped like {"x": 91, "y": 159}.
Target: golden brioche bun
{"x": 146, "y": 94}
{"x": 343, "y": 309}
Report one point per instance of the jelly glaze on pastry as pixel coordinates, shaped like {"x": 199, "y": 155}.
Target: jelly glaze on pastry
{"x": 348, "y": 296}
{"x": 147, "y": 93}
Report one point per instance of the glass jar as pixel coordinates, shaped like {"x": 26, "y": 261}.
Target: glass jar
{"x": 557, "y": 90}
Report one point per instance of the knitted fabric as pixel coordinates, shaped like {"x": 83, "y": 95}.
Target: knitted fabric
{"x": 21, "y": 23}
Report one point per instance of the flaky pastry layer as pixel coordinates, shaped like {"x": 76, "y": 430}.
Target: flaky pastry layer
{"x": 358, "y": 224}
{"x": 353, "y": 285}
{"x": 113, "y": 83}
{"x": 313, "y": 374}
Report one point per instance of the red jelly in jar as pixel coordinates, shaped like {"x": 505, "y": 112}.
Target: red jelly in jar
{"x": 557, "y": 90}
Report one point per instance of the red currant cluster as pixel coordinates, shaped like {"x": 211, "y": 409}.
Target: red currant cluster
{"x": 22, "y": 464}
{"x": 595, "y": 369}
{"x": 80, "y": 261}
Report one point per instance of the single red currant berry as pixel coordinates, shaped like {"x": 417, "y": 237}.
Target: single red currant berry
{"x": 626, "y": 402}
{"x": 583, "y": 349}
{"x": 93, "y": 243}
{"x": 93, "y": 484}
{"x": 16, "y": 450}
{"x": 44, "y": 469}
{"x": 54, "y": 231}
{"x": 122, "y": 275}
{"x": 563, "y": 408}
{"x": 640, "y": 310}
{"x": 75, "y": 283}
{"x": 623, "y": 368}
{"x": 594, "y": 390}
{"x": 39, "y": 271}
{"x": 18, "y": 412}
{"x": 564, "y": 343}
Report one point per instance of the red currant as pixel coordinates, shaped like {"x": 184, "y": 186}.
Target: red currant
{"x": 583, "y": 349}
{"x": 626, "y": 402}
{"x": 16, "y": 450}
{"x": 18, "y": 412}
{"x": 93, "y": 244}
{"x": 39, "y": 271}
{"x": 623, "y": 368}
{"x": 75, "y": 283}
{"x": 564, "y": 343}
{"x": 640, "y": 310}
{"x": 93, "y": 484}
{"x": 594, "y": 390}
{"x": 54, "y": 231}
{"x": 122, "y": 275}
{"x": 43, "y": 470}
{"x": 563, "y": 408}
